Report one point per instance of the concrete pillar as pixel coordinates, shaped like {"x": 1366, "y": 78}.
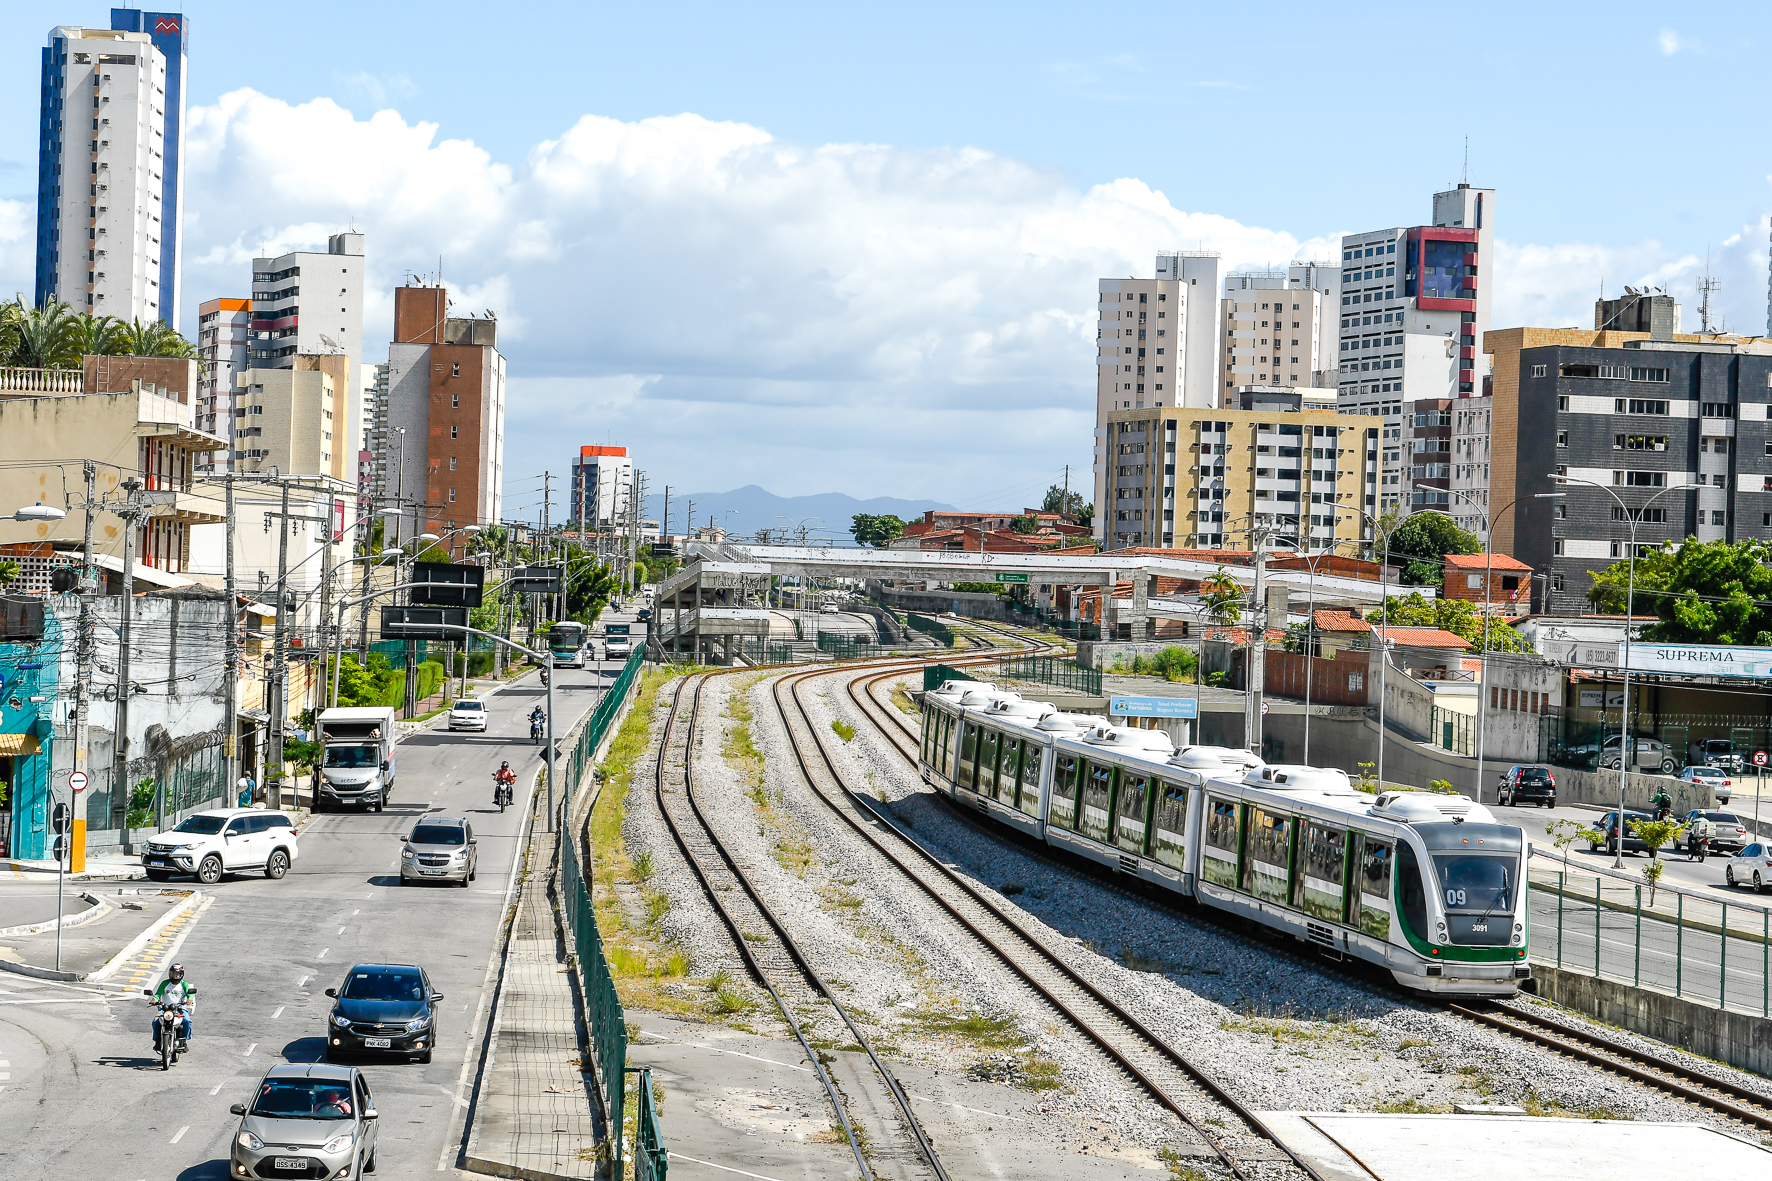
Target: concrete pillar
{"x": 1141, "y": 610}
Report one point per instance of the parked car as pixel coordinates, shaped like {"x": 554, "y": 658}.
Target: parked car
{"x": 1608, "y": 824}
{"x": 440, "y": 849}
{"x": 467, "y": 714}
{"x": 228, "y": 840}
{"x": 1651, "y": 752}
{"x": 383, "y": 1008}
{"x": 1712, "y": 777}
{"x": 1724, "y": 829}
{"x": 1715, "y": 752}
{"x": 1750, "y": 867}
{"x": 1528, "y": 785}
{"x": 308, "y": 1119}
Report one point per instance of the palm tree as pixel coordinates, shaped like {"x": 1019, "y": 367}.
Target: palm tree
{"x": 46, "y": 337}
{"x": 97, "y": 336}
{"x": 1222, "y": 597}
{"x": 155, "y": 339}
{"x": 10, "y": 314}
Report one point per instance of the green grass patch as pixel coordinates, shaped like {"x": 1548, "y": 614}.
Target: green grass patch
{"x": 1179, "y": 1168}
{"x": 844, "y": 730}
{"x": 1410, "y": 1106}
{"x": 994, "y": 1030}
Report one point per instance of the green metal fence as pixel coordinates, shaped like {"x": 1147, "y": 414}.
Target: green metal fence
{"x": 649, "y": 1151}
{"x": 1048, "y": 670}
{"x": 766, "y": 651}
{"x": 1453, "y": 731}
{"x": 937, "y": 675}
{"x": 846, "y": 647}
{"x": 930, "y": 627}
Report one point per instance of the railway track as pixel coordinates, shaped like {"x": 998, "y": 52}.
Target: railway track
{"x": 1155, "y": 1065}
{"x": 777, "y": 963}
{"x": 1716, "y": 1094}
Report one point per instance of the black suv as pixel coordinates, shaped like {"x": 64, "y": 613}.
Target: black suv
{"x": 1528, "y": 785}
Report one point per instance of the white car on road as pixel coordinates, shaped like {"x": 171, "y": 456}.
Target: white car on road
{"x": 467, "y": 714}
{"x": 1750, "y": 867}
{"x": 228, "y": 840}
{"x": 1714, "y": 778}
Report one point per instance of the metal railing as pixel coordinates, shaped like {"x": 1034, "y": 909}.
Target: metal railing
{"x": 930, "y": 627}
{"x": 1453, "y": 731}
{"x": 650, "y": 1156}
{"x": 1708, "y": 950}
{"x": 1049, "y": 670}
{"x": 846, "y": 647}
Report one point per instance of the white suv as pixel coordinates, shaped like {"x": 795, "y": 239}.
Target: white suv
{"x": 467, "y": 714}
{"x": 228, "y": 840}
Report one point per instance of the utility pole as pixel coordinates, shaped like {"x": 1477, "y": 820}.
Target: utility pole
{"x": 321, "y": 630}
{"x": 664, "y": 525}
{"x": 279, "y": 685}
{"x": 231, "y": 657}
{"x": 86, "y": 586}
{"x": 130, "y": 512}
{"x": 1257, "y": 643}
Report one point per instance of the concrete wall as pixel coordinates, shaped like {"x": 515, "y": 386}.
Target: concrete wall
{"x": 1741, "y": 1040}
{"x": 966, "y": 604}
{"x": 1601, "y": 788}
{"x": 1101, "y": 654}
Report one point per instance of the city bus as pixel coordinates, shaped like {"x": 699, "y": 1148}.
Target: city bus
{"x": 566, "y": 642}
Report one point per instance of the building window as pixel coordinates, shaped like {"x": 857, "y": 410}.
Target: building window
{"x": 1562, "y": 401}
{"x": 455, "y": 369}
{"x": 1562, "y": 438}
{"x": 1637, "y": 373}
{"x": 1640, "y": 479}
{"x": 1638, "y": 406}
{"x": 1557, "y": 547}
{"x": 452, "y": 496}
{"x": 1538, "y": 371}
{"x": 455, "y": 401}
{"x": 1719, "y": 517}
{"x": 452, "y": 431}
{"x": 1556, "y": 581}
{"x": 452, "y": 463}
{"x": 1561, "y": 512}
{"x": 1639, "y": 442}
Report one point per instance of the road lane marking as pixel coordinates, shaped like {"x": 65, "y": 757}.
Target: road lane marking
{"x": 323, "y": 952}
{"x": 249, "y": 1050}
{"x": 355, "y": 913}
{"x": 723, "y": 1168}
{"x": 181, "y": 1134}
{"x": 219, "y": 1086}
{"x": 303, "y": 981}
{"x": 279, "y": 1012}
{"x": 341, "y": 931}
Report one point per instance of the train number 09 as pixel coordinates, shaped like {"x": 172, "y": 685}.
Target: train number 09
{"x": 1454, "y": 897}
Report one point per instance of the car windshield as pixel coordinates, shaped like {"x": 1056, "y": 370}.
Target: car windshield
{"x": 304, "y": 1098}
{"x": 1721, "y": 817}
{"x": 352, "y": 756}
{"x": 474, "y": 705}
{"x": 203, "y": 826}
{"x": 1476, "y": 884}
{"x": 384, "y": 985}
{"x": 438, "y": 834}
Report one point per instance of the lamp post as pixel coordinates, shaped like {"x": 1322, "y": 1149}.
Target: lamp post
{"x": 1626, "y": 747}
{"x": 1310, "y": 565}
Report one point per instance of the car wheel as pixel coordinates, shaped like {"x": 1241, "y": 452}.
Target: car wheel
{"x": 425, "y": 1057}
{"x": 209, "y": 870}
{"x": 1667, "y": 767}
{"x": 1729, "y": 876}
{"x": 473, "y": 874}
{"x": 378, "y": 804}
{"x": 1758, "y": 887}
{"x": 159, "y": 875}
{"x": 278, "y": 865}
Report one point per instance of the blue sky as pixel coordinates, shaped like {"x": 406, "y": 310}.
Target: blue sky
{"x": 886, "y": 221}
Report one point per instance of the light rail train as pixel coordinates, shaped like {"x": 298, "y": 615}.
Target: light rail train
{"x": 1426, "y": 886}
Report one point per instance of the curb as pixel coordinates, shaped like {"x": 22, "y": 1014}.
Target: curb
{"x": 100, "y": 906}
{"x": 141, "y": 940}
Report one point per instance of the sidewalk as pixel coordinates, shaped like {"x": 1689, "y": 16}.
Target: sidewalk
{"x": 125, "y": 942}
{"x": 104, "y": 868}
{"x": 535, "y": 1114}
{"x": 1747, "y": 915}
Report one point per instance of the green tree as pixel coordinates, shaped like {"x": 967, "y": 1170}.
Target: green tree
{"x": 1027, "y": 523}
{"x": 98, "y": 335}
{"x": 1222, "y": 597}
{"x": 156, "y": 338}
{"x": 45, "y": 338}
{"x": 1703, "y": 592}
{"x": 1423, "y": 540}
{"x": 876, "y": 531}
{"x": 1057, "y": 500}
{"x": 1654, "y": 834}
{"x": 1460, "y": 618}
{"x": 8, "y": 572}
{"x": 1086, "y": 515}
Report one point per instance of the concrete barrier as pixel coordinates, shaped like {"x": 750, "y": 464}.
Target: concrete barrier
{"x": 1740, "y": 1039}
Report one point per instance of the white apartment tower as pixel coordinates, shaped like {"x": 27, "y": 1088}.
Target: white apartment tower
{"x": 101, "y": 175}
{"x": 222, "y": 325}
{"x": 306, "y": 303}
{"x": 1278, "y": 329}
{"x": 1149, "y": 338}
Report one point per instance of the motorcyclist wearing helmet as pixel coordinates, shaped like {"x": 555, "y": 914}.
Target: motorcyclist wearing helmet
{"x": 182, "y": 994}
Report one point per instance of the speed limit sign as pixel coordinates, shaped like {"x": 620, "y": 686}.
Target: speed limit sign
{"x": 1759, "y": 758}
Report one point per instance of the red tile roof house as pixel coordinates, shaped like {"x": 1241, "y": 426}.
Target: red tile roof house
{"x": 1510, "y": 580}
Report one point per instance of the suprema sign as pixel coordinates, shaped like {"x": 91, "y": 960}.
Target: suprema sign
{"x": 1705, "y": 660}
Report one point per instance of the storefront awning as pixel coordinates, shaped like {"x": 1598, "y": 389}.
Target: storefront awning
{"x": 17, "y": 745}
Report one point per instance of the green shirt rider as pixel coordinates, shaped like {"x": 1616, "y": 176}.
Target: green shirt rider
{"x": 182, "y": 993}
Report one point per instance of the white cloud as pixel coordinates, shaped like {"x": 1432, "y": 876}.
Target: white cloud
{"x": 18, "y": 243}
{"x": 1670, "y": 42}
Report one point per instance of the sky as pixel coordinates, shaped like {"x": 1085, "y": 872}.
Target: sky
{"x": 854, "y": 248}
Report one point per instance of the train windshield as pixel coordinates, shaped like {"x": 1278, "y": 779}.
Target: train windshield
{"x": 1477, "y": 883}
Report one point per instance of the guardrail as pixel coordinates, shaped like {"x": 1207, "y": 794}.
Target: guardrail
{"x": 930, "y": 627}
{"x": 650, "y": 1156}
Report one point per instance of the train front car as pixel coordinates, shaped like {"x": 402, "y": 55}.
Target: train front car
{"x": 1460, "y": 901}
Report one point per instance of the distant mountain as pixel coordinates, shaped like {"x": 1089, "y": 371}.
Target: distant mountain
{"x": 750, "y": 508}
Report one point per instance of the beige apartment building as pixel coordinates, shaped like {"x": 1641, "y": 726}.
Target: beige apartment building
{"x": 1203, "y": 479}
{"x": 1275, "y": 332}
{"x": 297, "y": 419}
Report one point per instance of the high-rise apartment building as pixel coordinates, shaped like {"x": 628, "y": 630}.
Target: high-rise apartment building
{"x": 1277, "y": 329}
{"x": 1147, "y": 338}
{"x": 601, "y": 477}
{"x": 222, "y": 326}
{"x": 169, "y": 33}
{"x": 103, "y": 227}
{"x": 1472, "y": 419}
{"x": 1414, "y": 308}
{"x": 291, "y": 418}
{"x": 1203, "y": 479}
{"x": 306, "y": 303}
{"x": 445, "y": 414}
{"x": 375, "y": 430}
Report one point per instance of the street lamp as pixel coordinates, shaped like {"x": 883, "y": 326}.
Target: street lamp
{"x": 1310, "y": 564}
{"x": 1626, "y": 747}
{"x": 39, "y": 512}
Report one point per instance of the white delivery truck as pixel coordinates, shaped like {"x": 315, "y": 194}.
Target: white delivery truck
{"x": 356, "y": 757}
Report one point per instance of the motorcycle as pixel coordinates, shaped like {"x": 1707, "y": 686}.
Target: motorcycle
{"x": 535, "y": 727}
{"x": 169, "y": 1032}
{"x": 502, "y": 791}
{"x": 544, "y": 678}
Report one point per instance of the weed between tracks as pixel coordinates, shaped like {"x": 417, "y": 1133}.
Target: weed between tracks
{"x": 901, "y": 697}
{"x": 843, "y": 729}
{"x": 1179, "y": 1168}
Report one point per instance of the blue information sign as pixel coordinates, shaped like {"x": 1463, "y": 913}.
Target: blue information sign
{"x": 1153, "y": 707}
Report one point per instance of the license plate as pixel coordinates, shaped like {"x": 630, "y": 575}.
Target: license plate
{"x": 1480, "y": 927}
{"x": 433, "y": 872}
{"x": 291, "y": 1162}
{"x": 378, "y": 1043}
{"x": 156, "y": 861}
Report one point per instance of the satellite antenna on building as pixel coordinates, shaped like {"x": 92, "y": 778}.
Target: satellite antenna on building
{"x": 1706, "y": 285}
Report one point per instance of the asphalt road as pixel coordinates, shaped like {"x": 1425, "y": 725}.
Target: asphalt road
{"x": 79, "y": 1093}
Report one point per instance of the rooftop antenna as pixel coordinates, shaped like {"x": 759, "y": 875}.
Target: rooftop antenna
{"x": 1467, "y": 160}
{"x": 1706, "y": 285}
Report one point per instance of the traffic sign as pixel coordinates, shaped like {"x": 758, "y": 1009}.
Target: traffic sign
{"x": 1759, "y": 758}
{"x": 1264, "y": 709}
{"x": 1008, "y": 577}
{"x": 424, "y": 623}
{"x": 1153, "y": 707}
{"x": 442, "y": 584}
{"x": 77, "y": 781}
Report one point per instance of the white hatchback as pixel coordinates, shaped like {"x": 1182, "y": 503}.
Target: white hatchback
{"x": 228, "y": 840}
{"x": 467, "y": 714}
{"x": 1750, "y": 867}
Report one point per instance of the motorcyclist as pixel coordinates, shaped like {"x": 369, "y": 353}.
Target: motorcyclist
{"x": 1663, "y": 803}
{"x": 182, "y": 994}
{"x": 504, "y": 779}
{"x": 1698, "y": 838}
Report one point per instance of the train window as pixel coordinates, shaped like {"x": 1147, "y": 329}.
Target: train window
{"x": 988, "y": 743}
{"x": 1098, "y": 791}
{"x": 1375, "y": 886}
{"x": 1267, "y": 868}
{"x": 1063, "y": 812}
{"x": 928, "y": 732}
{"x": 947, "y": 745}
{"x": 1008, "y": 771}
{"x": 968, "y": 755}
{"x": 1131, "y": 808}
{"x": 1218, "y": 861}
{"x": 1169, "y": 824}
{"x": 1322, "y": 864}
{"x": 1411, "y": 894}
{"x": 1028, "y": 781}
